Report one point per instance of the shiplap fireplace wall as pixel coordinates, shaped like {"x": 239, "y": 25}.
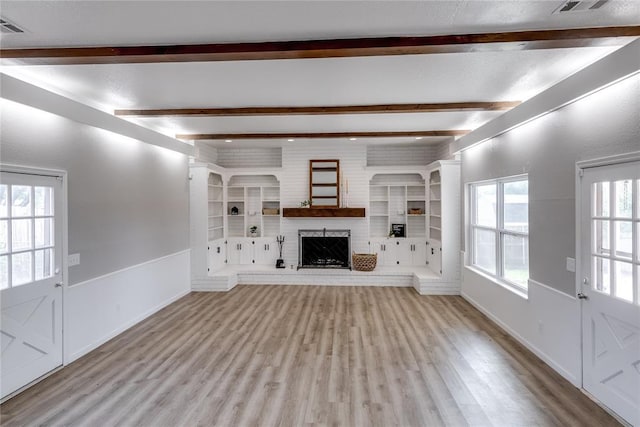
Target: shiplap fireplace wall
{"x": 292, "y": 161}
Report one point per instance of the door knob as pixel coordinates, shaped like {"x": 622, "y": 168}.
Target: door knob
{"x": 59, "y": 285}
{"x": 582, "y": 296}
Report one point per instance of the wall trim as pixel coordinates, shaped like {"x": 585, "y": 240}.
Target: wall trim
{"x": 131, "y": 267}
{"x": 116, "y": 326}
{"x": 87, "y": 349}
{"x": 576, "y": 382}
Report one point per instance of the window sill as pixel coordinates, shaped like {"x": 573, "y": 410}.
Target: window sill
{"x": 523, "y": 293}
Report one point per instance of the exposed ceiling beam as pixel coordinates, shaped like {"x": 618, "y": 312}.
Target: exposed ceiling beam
{"x": 317, "y": 135}
{"x": 323, "y": 110}
{"x": 331, "y": 48}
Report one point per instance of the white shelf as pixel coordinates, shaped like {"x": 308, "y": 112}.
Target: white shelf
{"x": 415, "y": 215}
{"x": 435, "y": 216}
{"x": 434, "y": 228}
{"x": 271, "y": 215}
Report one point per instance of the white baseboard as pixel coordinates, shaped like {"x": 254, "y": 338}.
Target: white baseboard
{"x": 99, "y": 309}
{"x": 518, "y": 337}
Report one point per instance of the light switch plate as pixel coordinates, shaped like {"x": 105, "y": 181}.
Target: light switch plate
{"x": 74, "y": 259}
{"x": 571, "y": 265}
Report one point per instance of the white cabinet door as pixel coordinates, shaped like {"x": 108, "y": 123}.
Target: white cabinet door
{"x": 434, "y": 255}
{"x": 266, "y": 251}
{"x": 377, "y": 247}
{"x": 217, "y": 255}
{"x": 239, "y": 251}
{"x": 419, "y": 252}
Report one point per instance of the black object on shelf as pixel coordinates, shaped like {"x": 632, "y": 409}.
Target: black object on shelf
{"x": 398, "y": 230}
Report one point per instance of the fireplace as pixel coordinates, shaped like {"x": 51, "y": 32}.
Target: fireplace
{"x": 324, "y": 248}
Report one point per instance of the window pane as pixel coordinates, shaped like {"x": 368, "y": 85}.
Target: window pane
{"x": 43, "y": 201}
{"x": 43, "y": 232}
{"x": 601, "y": 198}
{"x": 484, "y": 251}
{"x": 21, "y": 268}
{"x": 20, "y": 200}
{"x": 602, "y": 237}
{"x": 516, "y": 259}
{"x": 21, "y": 234}
{"x": 624, "y": 280}
{"x": 4, "y": 272}
{"x": 4, "y": 236}
{"x": 601, "y": 275}
{"x": 623, "y": 199}
{"x": 44, "y": 264}
{"x": 623, "y": 235}
{"x": 4, "y": 212}
{"x": 516, "y": 206}
{"x": 485, "y": 198}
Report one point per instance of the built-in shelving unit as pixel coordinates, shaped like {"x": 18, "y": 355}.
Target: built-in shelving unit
{"x": 397, "y": 199}
{"x": 215, "y": 218}
{"x": 207, "y": 220}
{"x": 444, "y": 218}
{"x": 253, "y": 200}
{"x": 435, "y": 206}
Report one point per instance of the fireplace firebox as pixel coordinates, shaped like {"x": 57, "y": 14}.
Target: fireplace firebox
{"x": 324, "y": 249}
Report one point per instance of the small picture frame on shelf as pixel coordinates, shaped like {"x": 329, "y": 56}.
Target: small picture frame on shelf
{"x": 398, "y": 230}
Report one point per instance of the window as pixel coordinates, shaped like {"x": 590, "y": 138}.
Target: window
{"x": 499, "y": 229}
{"x": 26, "y": 234}
{"x": 613, "y": 254}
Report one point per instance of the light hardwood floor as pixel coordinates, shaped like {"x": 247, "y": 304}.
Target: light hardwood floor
{"x": 298, "y": 355}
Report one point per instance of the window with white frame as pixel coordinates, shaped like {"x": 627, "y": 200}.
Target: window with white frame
{"x": 499, "y": 229}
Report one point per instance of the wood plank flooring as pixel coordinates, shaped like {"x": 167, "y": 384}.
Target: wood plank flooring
{"x": 308, "y": 355}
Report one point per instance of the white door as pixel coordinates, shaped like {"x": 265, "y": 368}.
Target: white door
{"x": 30, "y": 278}
{"x": 610, "y": 235}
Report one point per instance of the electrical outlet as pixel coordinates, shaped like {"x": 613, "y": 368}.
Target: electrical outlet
{"x": 74, "y": 259}
{"x": 571, "y": 265}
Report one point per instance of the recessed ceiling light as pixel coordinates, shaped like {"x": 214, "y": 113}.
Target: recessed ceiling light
{"x": 352, "y": 139}
{"x": 290, "y": 139}
{"x": 418, "y": 137}
{"x": 228, "y": 140}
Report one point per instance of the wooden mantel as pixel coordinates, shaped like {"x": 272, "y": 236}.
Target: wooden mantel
{"x": 323, "y": 212}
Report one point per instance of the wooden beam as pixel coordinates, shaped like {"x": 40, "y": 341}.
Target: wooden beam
{"x": 330, "y": 48}
{"x": 323, "y": 110}
{"x": 317, "y": 135}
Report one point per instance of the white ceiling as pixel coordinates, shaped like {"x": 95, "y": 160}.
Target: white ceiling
{"x": 460, "y": 77}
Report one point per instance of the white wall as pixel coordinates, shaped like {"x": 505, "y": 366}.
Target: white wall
{"x": 604, "y": 123}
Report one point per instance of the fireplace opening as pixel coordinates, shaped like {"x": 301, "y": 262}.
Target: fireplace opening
{"x": 324, "y": 248}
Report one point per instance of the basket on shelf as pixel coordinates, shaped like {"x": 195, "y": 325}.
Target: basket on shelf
{"x": 364, "y": 262}
{"x": 270, "y": 211}
{"x": 415, "y": 211}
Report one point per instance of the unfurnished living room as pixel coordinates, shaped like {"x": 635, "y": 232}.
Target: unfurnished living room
{"x": 349, "y": 213}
